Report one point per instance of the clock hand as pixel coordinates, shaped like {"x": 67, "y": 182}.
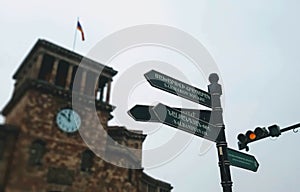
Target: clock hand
{"x": 65, "y": 116}
{"x": 69, "y": 116}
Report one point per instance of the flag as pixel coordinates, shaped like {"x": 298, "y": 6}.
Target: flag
{"x": 81, "y": 30}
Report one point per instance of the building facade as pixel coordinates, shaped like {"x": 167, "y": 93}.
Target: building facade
{"x": 41, "y": 149}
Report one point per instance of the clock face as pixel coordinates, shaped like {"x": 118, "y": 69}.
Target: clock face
{"x": 68, "y": 120}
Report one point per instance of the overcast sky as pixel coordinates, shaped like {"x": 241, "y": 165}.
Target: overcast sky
{"x": 255, "y": 45}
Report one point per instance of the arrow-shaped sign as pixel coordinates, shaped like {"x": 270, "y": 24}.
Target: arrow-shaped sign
{"x": 145, "y": 113}
{"x": 176, "y": 87}
{"x": 180, "y": 119}
{"x": 242, "y": 160}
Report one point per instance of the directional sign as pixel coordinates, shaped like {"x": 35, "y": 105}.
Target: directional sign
{"x": 145, "y": 113}
{"x": 176, "y": 87}
{"x": 242, "y": 160}
{"x": 185, "y": 122}
{"x": 204, "y": 115}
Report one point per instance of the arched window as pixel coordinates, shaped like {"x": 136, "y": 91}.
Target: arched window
{"x": 87, "y": 160}
{"x": 36, "y": 152}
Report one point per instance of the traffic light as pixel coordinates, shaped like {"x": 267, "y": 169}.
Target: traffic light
{"x": 250, "y": 136}
{"x": 261, "y": 133}
{"x": 274, "y": 131}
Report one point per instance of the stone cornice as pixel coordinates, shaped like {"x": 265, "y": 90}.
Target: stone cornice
{"x": 45, "y": 87}
{"x": 41, "y": 43}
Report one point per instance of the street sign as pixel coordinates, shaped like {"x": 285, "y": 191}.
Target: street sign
{"x": 145, "y": 113}
{"x": 204, "y": 115}
{"x": 176, "y": 87}
{"x": 185, "y": 122}
{"x": 242, "y": 160}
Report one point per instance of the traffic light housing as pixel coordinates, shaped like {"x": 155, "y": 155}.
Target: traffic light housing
{"x": 274, "y": 131}
{"x": 250, "y": 136}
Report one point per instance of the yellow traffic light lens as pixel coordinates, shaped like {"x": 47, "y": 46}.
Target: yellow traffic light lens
{"x": 252, "y": 136}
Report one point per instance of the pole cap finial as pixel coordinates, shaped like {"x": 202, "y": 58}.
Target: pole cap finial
{"x": 213, "y": 78}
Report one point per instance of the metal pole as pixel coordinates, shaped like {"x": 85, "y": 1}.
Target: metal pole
{"x": 75, "y": 35}
{"x": 215, "y": 90}
{"x": 290, "y": 127}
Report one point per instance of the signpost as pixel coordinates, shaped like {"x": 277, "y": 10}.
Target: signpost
{"x": 176, "y": 87}
{"x": 242, "y": 160}
{"x": 203, "y": 123}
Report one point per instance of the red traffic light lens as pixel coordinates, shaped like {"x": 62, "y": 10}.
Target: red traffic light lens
{"x": 252, "y": 136}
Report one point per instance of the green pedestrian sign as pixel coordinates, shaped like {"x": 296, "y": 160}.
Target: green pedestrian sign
{"x": 242, "y": 160}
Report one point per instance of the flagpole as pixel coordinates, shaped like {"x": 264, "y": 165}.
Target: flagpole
{"x": 74, "y": 41}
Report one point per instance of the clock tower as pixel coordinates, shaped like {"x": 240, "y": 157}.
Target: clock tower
{"x": 57, "y": 94}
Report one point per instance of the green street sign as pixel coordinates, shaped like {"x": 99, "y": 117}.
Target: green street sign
{"x": 143, "y": 113}
{"x": 242, "y": 160}
{"x": 146, "y": 114}
{"x": 183, "y": 121}
{"x": 176, "y": 87}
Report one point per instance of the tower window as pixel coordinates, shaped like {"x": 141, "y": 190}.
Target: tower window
{"x": 36, "y": 152}
{"x": 46, "y": 68}
{"x": 163, "y": 190}
{"x": 129, "y": 175}
{"x": 91, "y": 80}
{"x": 87, "y": 160}
{"x": 100, "y": 90}
{"x": 1, "y": 147}
{"x": 76, "y": 83}
{"x": 62, "y": 72}
{"x": 73, "y": 76}
{"x": 151, "y": 188}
